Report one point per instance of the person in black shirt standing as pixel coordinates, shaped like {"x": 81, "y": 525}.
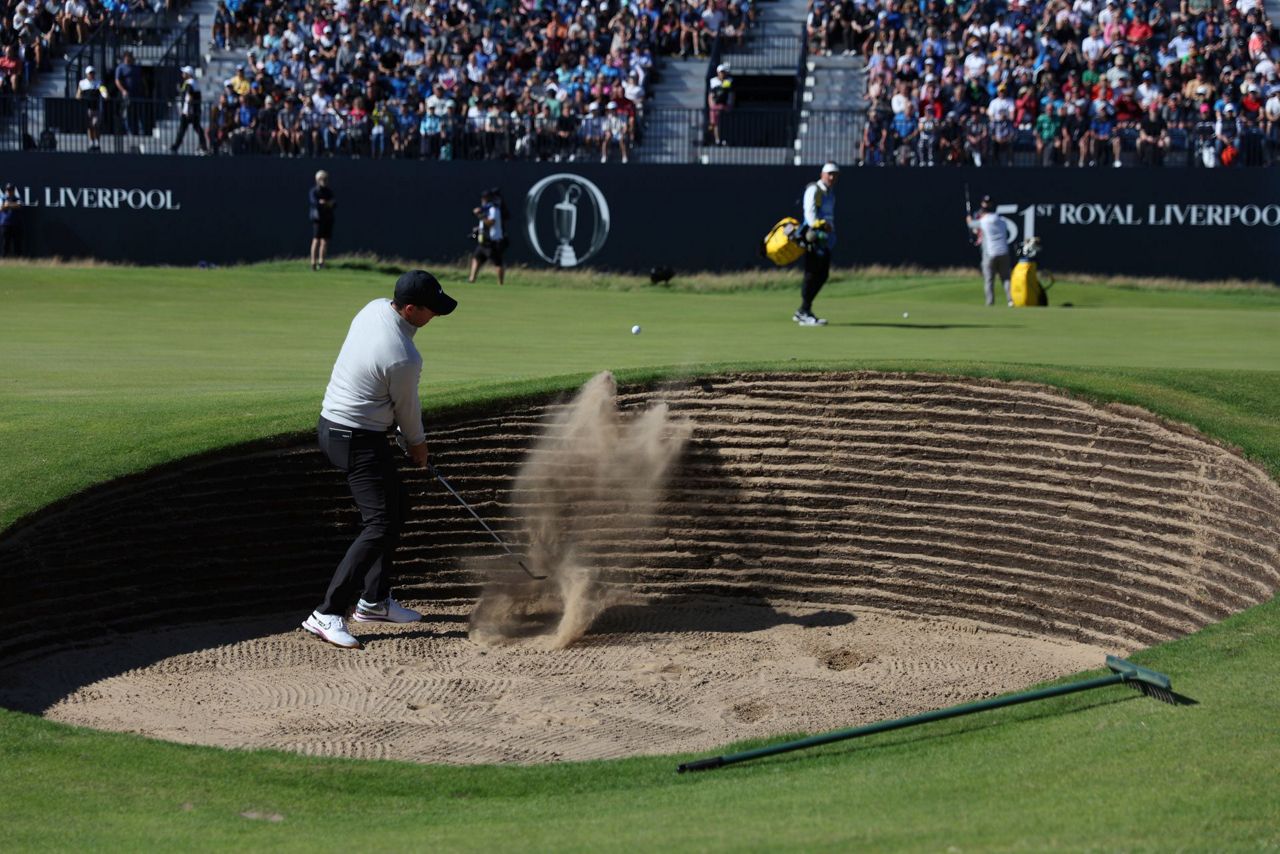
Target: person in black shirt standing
{"x": 322, "y": 205}
{"x": 1153, "y": 136}
{"x": 189, "y": 92}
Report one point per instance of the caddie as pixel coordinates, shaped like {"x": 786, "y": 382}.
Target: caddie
{"x": 819, "y": 206}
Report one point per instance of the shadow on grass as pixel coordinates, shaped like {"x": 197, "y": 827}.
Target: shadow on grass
{"x": 929, "y": 325}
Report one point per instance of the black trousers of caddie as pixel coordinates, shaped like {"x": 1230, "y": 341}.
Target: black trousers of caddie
{"x": 367, "y": 567}
{"x": 817, "y": 267}
{"x": 190, "y": 122}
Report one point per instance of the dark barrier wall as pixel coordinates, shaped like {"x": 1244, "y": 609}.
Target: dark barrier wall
{"x": 1206, "y": 224}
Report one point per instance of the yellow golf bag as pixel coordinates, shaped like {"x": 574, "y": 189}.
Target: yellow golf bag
{"x": 1025, "y": 287}
{"x": 782, "y": 245}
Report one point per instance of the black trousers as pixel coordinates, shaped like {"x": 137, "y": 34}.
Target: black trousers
{"x": 193, "y": 122}
{"x": 8, "y": 241}
{"x": 367, "y": 567}
{"x": 817, "y": 267}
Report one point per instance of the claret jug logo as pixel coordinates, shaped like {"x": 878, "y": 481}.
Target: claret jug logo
{"x": 568, "y": 219}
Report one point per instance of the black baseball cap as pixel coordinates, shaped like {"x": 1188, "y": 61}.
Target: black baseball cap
{"x": 418, "y": 287}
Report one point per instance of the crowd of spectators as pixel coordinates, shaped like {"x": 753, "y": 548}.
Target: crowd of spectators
{"x": 564, "y": 80}
{"x": 1068, "y": 82}
{"x": 32, "y": 32}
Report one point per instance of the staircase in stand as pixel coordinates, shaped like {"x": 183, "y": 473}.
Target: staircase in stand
{"x": 791, "y": 108}
{"x": 833, "y": 86}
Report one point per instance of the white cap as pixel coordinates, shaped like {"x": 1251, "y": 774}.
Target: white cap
{"x": 724, "y": 66}
{"x": 88, "y": 69}
{"x": 189, "y": 71}
{"x": 830, "y": 167}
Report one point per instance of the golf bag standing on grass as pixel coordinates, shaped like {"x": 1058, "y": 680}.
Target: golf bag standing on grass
{"x": 1024, "y": 286}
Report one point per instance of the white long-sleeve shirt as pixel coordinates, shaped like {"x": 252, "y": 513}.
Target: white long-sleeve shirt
{"x": 375, "y": 379}
{"x": 815, "y": 209}
{"x": 992, "y": 234}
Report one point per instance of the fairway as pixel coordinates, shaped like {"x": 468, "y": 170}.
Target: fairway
{"x": 113, "y": 371}
{"x": 204, "y": 358}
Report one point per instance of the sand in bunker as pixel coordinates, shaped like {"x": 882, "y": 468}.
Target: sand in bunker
{"x": 647, "y": 678}
{"x": 577, "y": 667}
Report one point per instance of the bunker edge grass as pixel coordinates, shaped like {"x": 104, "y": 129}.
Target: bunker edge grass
{"x": 1069, "y": 773}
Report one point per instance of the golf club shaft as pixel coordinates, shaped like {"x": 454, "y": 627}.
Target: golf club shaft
{"x": 483, "y": 523}
{"x": 968, "y": 214}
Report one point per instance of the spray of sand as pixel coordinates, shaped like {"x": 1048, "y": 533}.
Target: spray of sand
{"x": 591, "y": 472}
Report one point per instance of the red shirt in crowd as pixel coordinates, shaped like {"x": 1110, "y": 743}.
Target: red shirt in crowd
{"x": 1127, "y": 109}
{"x": 1139, "y": 32}
{"x": 1025, "y": 108}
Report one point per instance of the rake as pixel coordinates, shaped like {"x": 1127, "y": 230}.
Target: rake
{"x": 1149, "y": 682}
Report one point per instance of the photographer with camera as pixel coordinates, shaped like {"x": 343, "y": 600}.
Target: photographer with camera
{"x": 490, "y": 233}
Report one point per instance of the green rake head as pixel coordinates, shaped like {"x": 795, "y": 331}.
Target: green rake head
{"x": 1149, "y": 682}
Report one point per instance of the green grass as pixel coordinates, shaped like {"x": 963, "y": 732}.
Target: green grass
{"x": 110, "y": 369}
{"x": 113, "y": 370}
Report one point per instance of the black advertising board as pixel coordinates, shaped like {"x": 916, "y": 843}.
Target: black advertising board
{"x": 1192, "y": 223}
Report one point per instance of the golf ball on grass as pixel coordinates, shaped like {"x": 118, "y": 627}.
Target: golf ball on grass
{"x": 905, "y": 314}
{"x": 635, "y": 330}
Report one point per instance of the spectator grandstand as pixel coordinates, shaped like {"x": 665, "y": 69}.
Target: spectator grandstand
{"x": 33, "y": 33}
{"x": 439, "y": 80}
{"x": 883, "y": 82}
{"x": 1066, "y": 82}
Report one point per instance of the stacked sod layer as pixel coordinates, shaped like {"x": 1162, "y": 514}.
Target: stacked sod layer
{"x": 1010, "y": 505}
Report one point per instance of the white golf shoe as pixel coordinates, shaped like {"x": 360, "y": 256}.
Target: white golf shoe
{"x": 387, "y": 611}
{"x": 331, "y": 628}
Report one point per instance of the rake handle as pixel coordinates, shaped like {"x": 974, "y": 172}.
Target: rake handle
{"x": 899, "y": 723}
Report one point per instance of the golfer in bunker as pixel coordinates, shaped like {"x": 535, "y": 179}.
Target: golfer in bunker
{"x": 374, "y": 386}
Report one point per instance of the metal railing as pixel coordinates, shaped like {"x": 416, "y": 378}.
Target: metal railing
{"x": 762, "y": 48}
{"x": 1001, "y": 144}
{"x": 659, "y": 135}
{"x": 755, "y": 136}
{"x": 751, "y": 135}
{"x": 165, "y": 40}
